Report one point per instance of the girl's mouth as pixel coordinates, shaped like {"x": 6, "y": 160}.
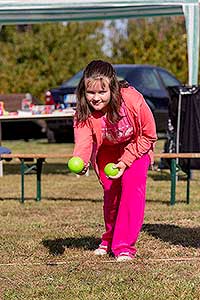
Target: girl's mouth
{"x": 96, "y": 102}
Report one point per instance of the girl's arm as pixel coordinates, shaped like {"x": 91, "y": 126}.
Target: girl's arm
{"x": 83, "y": 142}
{"x": 145, "y": 141}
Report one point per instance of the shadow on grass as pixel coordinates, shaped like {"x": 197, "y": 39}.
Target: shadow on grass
{"x": 53, "y": 199}
{"x": 166, "y": 202}
{"x": 48, "y": 168}
{"x": 58, "y": 198}
{"x": 159, "y": 175}
{"x": 176, "y": 235}
{"x": 186, "y": 237}
{"x": 57, "y": 246}
{"x": 164, "y": 176}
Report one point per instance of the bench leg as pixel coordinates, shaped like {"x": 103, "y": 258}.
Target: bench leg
{"x": 188, "y": 183}
{"x": 39, "y": 164}
{"x": 1, "y": 168}
{"x": 173, "y": 182}
{"x": 188, "y": 189}
{"x": 22, "y": 169}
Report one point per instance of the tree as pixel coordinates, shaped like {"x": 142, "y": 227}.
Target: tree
{"x": 45, "y": 55}
{"x": 159, "y": 41}
{"x": 41, "y": 56}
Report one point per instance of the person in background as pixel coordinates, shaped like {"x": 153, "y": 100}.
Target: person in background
{"x": 113, "y": 123}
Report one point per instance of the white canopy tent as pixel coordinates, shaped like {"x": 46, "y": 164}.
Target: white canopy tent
{"x": 40, "y": 11}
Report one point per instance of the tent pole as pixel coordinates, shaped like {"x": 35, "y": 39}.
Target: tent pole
{"x": 191, "y": 12}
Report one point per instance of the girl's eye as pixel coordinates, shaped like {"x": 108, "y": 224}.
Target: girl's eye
{"x": 92, "y": 93}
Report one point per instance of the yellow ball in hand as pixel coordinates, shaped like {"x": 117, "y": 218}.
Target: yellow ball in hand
{"x": 110, "y": 171}
{"x": 75, "y": 164}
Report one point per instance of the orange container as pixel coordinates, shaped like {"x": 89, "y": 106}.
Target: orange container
{"x": 1, "y": 108}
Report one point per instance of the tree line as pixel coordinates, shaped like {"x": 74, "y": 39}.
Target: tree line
{"x": 37, "y": 57}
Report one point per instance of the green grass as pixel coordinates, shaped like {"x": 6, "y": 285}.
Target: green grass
{"x": 47, "y": 248}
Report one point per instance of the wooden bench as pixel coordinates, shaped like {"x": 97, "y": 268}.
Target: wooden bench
{"x": 173, "y": 157}
{"x": 39, "y": 159}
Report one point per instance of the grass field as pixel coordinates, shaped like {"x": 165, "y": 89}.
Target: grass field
{"x": 47, "y": 247}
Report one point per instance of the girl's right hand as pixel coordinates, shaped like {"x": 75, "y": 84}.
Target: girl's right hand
{"x": 85, "y": 169}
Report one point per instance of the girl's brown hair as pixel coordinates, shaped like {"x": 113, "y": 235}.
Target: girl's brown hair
{"x": 99, "y": 70}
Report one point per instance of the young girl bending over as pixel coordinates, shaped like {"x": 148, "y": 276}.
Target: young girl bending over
{"x": 113, "y": 123}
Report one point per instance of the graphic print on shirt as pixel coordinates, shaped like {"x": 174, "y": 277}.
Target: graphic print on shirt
{"x": 119, "y": 132}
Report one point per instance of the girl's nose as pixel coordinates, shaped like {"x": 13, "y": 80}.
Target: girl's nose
{"x": 96, "y": 96}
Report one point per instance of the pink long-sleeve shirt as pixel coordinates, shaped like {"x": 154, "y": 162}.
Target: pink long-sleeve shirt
{"x": 88, "y": 135}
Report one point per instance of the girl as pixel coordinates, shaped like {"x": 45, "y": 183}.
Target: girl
{"x": 113, "y": 123}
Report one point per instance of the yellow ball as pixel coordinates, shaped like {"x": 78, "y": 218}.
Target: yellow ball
{"x": 110, "y": 171}
{"x": 75, "y": 164}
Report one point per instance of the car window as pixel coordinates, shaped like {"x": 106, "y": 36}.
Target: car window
{"x": 144, "y": 80}
{"x": 149, "y": 79}
{"x": 73, "y": 81}
{"x": 168, "y": 79}
{"x": 122, "y": 73}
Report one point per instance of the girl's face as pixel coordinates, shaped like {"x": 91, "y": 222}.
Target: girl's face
{"x": 98, "y": 94}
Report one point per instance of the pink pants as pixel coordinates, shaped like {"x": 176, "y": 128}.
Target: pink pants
{"x": 124, "y": 201}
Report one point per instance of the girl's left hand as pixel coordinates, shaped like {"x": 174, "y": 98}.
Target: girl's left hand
{"x": 121, "y": 166}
